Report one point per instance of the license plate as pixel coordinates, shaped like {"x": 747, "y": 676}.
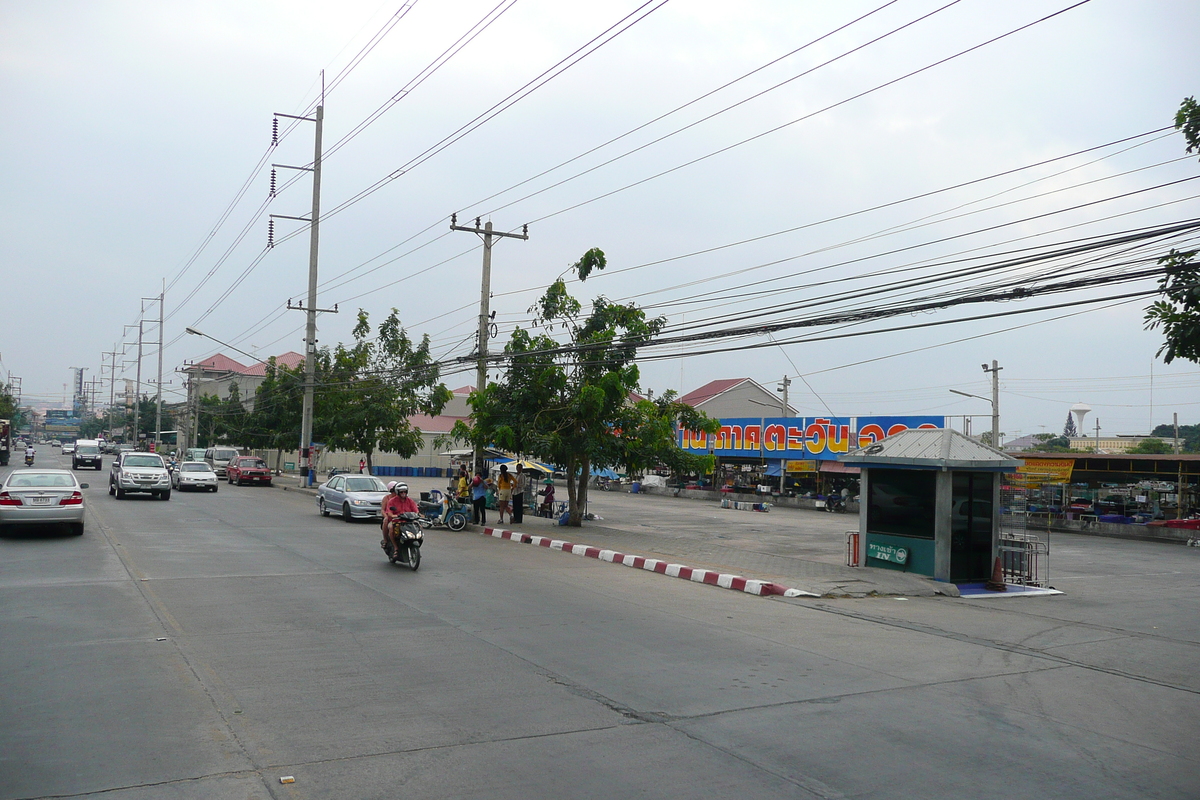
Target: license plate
{"x": 40, "y": 501}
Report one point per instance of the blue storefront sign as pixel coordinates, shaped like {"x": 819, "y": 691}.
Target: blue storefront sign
{"x": 816, "y": 438}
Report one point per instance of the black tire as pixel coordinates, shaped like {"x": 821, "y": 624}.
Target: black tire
{"x": 111, "y": 489}
{"x": 321, "y": 507}
{"x": 165, "y": 495}
{"x": 414, "y": 558}
{"x": 120, "y": 493}
{"x": 77, "y": 529}
{"x": 456, "y": 522}
{"x": 214, "y": 488}
{"x": 346, "y": 513}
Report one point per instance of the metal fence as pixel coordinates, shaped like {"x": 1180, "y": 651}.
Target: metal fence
{"x": 1024, "y": 553}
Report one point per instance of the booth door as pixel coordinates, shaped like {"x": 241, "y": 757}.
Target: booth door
{"x": 971, "y": 523}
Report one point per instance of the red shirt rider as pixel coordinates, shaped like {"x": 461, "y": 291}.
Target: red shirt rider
{"x": 398, "y": 503}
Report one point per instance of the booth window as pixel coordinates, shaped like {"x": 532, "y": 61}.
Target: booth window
{"x": 901, "y": 502}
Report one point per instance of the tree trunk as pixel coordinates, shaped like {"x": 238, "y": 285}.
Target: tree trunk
{"x": 577, "y": 492}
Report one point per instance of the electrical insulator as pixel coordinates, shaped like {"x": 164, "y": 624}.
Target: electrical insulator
{"x": 270, "y": 233}
{"x": 272, "y": 183}
{"x": 274, "y": 131}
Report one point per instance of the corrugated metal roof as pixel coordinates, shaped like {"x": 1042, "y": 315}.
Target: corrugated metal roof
{"x": 931, "y": 448}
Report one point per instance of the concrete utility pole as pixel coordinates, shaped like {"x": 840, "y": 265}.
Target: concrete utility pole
{"x": 161, "y": 339}
{"x": 310, "y": 328}
{"x": 112, "y": 380}
{"x": 783, "y": 387}
{"x": 995, "y": 370}
{"x": 137, "y": 395}
{"x": 485, "y": 294}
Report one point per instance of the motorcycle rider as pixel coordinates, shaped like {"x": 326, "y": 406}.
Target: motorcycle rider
{"x": 29, "y": 454}
{"x": 398, "y": 502}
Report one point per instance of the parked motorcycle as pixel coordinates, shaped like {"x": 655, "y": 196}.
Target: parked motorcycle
{"x": 835, "y": 504}
{"x": 431, "y": 516}
{"x": 407, "y": 530}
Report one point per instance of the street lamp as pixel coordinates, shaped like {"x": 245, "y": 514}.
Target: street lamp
{"x": 995, "y": 415}
{"x": 195, "y": 332}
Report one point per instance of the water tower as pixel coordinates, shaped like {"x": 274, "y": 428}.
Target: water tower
{"x": 1079, "y": 411}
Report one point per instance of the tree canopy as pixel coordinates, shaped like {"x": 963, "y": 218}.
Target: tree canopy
{"x": 576, "y": 404}
{"x": 1178, "y": 312}
{"x": 373, "y": 386}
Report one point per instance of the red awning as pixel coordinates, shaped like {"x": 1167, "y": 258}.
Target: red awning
{"x": 837, "y": 466}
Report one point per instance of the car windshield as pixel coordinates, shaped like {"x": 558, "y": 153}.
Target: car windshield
{"x": 365, "y": 485}
{"x": 224, "y": 455}
{"x": 254, "y": 463}
{"x": 195, "y": 468}
{"x": 37, "y": 480}
{"x": 87, "y": 450}
{"x": 143, "y": 461}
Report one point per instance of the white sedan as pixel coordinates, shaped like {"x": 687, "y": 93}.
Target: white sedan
{"x": 42, "y": 497}
{"x": 194, "y": 475}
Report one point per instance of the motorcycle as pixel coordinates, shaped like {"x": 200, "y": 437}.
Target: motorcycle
{"x": 835, "y": 504}
{"x": 407, "y": 530}
{"x": 431, "y": 516}
{"x": 29, "y": 461}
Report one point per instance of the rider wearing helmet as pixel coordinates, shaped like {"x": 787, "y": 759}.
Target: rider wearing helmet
{"x": 397, "y": 503}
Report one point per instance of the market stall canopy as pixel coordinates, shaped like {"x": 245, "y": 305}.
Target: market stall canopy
{"x": 525, "y": 464}
{"x": 931, "y": 448}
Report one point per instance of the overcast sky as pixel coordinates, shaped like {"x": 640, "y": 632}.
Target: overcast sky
{"x": 131, "y": 129}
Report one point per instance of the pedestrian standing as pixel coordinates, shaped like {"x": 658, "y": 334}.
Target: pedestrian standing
{"x": 362, "y": 466}
{"x": 479, "y": 499}
{"x": 518, "y": 497}
{"x": 464, "y": 485}
{"x": 504, "y": 492}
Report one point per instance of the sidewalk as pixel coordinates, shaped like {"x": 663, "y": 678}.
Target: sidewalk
{"x": 687, "y": 548}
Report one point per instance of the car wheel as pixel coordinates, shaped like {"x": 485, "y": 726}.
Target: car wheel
{"x": 120, "y": 493}
{"x": 166, "y": 495}
{"x": 111, "y": 490}
{"x": 346, "y": 512}
{"x": 214, "y": 488}
{"x": 321, "y": 507}
{"x": 77, "y": 529}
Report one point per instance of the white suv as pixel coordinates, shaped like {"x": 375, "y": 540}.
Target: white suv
{"x": 139, "y": 472}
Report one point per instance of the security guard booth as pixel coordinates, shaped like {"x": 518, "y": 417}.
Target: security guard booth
{"x": 930, "y": 504}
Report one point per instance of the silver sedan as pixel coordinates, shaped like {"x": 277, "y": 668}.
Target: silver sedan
{"x": 42, "y": 497}
{"x": 353, "y": 496}
{"x": 194, "y": 475}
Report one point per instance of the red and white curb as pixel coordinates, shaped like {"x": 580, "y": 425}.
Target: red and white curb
{"x": 722, "y": 579}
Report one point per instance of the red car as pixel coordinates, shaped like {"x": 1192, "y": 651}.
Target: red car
{"x": 248, "y": 469}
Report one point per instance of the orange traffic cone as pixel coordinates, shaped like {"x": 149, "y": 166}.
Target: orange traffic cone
{"x": 997, "y": 584}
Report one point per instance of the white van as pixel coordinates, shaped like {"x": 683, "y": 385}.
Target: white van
{"x": 219, "y": 457}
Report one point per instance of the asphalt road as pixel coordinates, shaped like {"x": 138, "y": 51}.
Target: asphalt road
{"x": 206, "y": 646}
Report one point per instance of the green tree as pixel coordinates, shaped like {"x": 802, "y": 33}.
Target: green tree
{"x": 1151, "y": 446}
{"x": 374, "y": 386}
{"x": 1179, "y": 313}
{"x": 1049, "y": 443}
{"x": 1189, "y": 436}
{"x": 1069, "y": 429}
{"x": 571, "y": 405}
{"x": 1187, "y": 119}
{"x": 275, "y": 421}
{"x": 9, "y": 409}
